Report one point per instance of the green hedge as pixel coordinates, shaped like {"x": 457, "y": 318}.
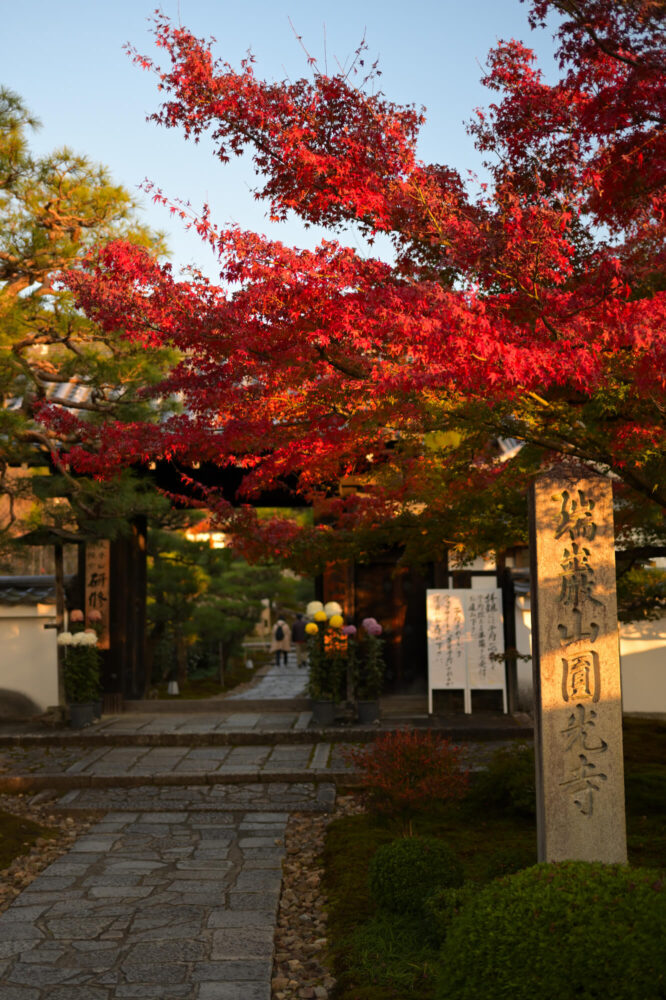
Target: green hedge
{"x": 569, "y": 931}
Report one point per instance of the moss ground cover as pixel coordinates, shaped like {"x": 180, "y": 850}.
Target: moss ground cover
{"x": 645, "y": 784}
{"x": 17, "y": 836}
{"x": 380, "y": 955}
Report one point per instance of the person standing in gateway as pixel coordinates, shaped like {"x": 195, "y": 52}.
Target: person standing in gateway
{"x": 299, "y": 639}
{"x": 281, "y": 641}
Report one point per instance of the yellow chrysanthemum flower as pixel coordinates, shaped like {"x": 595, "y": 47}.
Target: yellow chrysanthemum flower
{"x": 320, "y": 616}
{"x": 311, "y": 628}
{"x": 336, "y": 621}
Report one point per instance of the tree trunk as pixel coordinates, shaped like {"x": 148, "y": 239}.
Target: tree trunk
{"x": 60, "y": 619}
{"x": 181, "y": 660}
{"x": 221, "y": 658}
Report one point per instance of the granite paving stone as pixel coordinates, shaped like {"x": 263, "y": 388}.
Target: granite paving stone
{"x": 247, "y": 970}
{"x": 235, "y": 991}
{"x": 285, "y": 680}
{"x": 243, "y": 942}
{"x": 104, "y": 922}
{"x": 209, "y": 753}
{"x": 321, "y": 754}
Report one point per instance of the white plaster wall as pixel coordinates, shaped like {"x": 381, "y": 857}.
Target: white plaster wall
{"x": 642, "y": 662}
{"x": 28, "y": 654}
{"x": 643, "y": 665}
{"x": 524, "y": 646}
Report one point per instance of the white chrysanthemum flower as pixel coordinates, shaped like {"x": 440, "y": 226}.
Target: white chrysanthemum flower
{"x": 65, "y": 639}
{"x": 332, "y": 608}
{"x": 313, "y": 607}
{"x": 84, "y": 639}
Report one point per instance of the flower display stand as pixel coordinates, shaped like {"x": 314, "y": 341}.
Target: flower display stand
{"x": 367, "y": 711}
{"x": 81, "y": 715}
{"x": 323, "y": 712}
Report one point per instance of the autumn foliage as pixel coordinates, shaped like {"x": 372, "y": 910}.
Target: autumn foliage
{"x": 530, "y": 307}
{"x": 409, "y": 770}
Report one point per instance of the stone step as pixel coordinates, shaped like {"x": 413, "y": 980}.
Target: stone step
{"x": 195, "y": 706}
{"x": 25, "y": 783}
{"x": 185, "y": 732}
{"x": 265, "y": 798}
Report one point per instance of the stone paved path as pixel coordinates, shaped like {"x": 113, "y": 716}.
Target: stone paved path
{"x": 285, "y": 681}
{"x": 174, "y": 893}
{"x": 151, "y": 904}
{"x": 178, "y": 765}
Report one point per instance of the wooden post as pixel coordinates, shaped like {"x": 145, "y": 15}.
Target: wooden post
{"x": 505, "y": 581}
{"x": 575, "y": 652}
{"x": 60, "y": 617}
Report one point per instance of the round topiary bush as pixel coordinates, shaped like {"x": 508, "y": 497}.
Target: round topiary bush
{"x": 404, "y": 873}
{"x": 559, "y": 932}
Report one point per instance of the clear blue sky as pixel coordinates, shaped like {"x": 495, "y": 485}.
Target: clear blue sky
{"x": 66, "y": 59}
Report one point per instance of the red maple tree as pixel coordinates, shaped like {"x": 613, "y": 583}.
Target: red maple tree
{"x": 530, "y": 308}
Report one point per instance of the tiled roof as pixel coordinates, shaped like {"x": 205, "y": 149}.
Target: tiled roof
{"x": 27, "y": 590}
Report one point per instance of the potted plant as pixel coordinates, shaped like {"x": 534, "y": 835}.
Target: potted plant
{"x": 369, "y": 671}
{"x": 81, "y": 674}
{"x": 327, "y": 654}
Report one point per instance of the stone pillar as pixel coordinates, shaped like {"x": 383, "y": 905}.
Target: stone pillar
{"x": 578, "y": 706}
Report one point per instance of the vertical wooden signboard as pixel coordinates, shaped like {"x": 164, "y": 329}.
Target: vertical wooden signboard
{"x": 97, "y": 587}
{"x": 465, "y": 643}
{"x": 578, "y": 707}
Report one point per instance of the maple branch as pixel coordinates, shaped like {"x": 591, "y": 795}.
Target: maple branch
{"x": 571, "y": 8}
{"x": 344, "y": 366}
{"x": 594, "y": 458}
{"x": 430, "y": 214}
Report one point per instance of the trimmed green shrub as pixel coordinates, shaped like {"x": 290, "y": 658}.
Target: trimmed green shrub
{"x": 405, "y": 872}
{"x": 504, "y": 860}
{"x": 508, "y": 783}
{"x": 568, "y": 931}
{"x": 444, "y": 905}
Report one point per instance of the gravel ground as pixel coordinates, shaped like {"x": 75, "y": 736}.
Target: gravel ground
{"x": 299, "y": 966}
{"x": 27, "y": 867}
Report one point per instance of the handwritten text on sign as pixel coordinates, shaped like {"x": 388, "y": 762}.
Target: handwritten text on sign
{"x": 465, "y": 637}
{"x": 97, "y": 588}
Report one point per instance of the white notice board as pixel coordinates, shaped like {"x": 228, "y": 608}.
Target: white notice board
{"x": 465, "y": 631}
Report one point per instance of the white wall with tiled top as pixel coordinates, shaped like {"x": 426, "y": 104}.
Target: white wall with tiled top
{"x": 28, "y": 657}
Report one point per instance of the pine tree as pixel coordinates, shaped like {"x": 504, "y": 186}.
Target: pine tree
{"x": 54, "y": 210}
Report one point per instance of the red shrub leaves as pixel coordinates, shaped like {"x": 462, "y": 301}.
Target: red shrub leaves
{"x": 408, "y": 770}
